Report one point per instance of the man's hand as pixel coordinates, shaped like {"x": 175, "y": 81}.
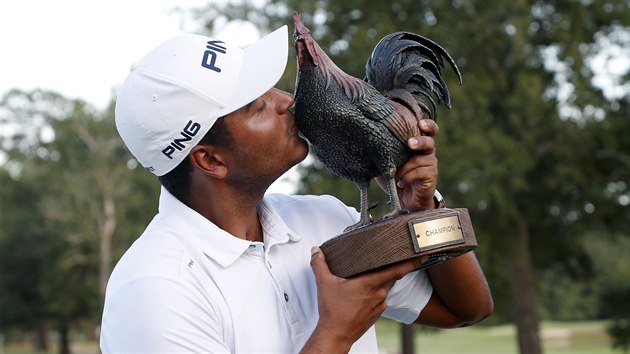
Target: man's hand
{"x": 417, "y": 178}
{"x": 349, "y": 307}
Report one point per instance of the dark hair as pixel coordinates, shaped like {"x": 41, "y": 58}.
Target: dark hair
{"x": 177, "y": 181}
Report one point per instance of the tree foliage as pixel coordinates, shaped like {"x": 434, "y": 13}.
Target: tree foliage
{"x": 68, "y": 191}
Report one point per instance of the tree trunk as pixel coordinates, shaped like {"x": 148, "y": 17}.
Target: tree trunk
{"x": 41, "y": 339}
{"x": 407, "y": 338}
{"x": 523, "y": 288}
{"x": 64, "y": 339}
{"x": 108, "y": 224}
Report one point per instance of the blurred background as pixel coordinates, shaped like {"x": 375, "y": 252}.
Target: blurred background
{"x": 536, "y": 146}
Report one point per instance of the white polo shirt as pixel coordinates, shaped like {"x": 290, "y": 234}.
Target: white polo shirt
{"x": 187, "y": 286}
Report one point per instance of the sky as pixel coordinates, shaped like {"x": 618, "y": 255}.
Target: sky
{"x": 83, "y": 49}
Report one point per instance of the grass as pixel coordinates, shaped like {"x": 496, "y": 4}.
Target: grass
{"x": 76, "y": 347}
{"x": 557, "y": 338}
{"x": 587, "y": 337}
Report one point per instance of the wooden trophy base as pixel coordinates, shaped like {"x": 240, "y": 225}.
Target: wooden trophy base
{"x": 439, "y": 234}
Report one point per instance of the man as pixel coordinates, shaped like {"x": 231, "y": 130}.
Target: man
{"x": 225, "y": 268}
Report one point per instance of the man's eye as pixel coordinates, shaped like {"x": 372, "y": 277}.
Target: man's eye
{"x": 262, "y": 106}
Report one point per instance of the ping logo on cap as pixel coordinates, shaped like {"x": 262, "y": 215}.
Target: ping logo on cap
{"x": 210, "y": 55}
{"x": 191, "y": 129}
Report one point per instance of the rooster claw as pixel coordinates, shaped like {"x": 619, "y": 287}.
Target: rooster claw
{"x": 358, "y": 225}
{"x": 393, "y": 213}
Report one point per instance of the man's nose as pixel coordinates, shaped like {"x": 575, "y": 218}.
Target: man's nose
{"x": 285, "y": 100}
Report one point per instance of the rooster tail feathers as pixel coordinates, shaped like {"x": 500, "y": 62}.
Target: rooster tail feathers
{"x": 405, "y": 60}
{"x": 435, "y": 50}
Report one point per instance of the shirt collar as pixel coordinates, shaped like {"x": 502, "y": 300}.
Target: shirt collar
{"x": 274, "y": 228}
{"x": 201, "y": 234}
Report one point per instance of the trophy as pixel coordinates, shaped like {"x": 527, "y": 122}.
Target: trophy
{"x": 359, "y": 131}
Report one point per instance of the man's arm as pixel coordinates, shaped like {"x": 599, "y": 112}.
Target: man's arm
{"x": 159, "y": 314}
{"x": 461, "y": 295}
{"x": 349, "y": 307}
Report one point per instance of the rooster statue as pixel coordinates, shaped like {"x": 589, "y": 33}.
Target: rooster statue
{"x": 359, "y": 128}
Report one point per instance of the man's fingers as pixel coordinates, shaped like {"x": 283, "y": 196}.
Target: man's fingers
{"x": 395, "y": 272}
{"x": 424, "y": 144}
{"x": 417, "y": 168}
{"x": 429, "y": 127}
{"x": 318, "y": 263}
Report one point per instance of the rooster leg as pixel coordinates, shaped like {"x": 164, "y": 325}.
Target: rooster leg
{"x": 395, "y": 209}
{"x": 365, "y": 215}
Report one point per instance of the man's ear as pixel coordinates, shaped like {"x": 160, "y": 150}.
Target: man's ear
{"x": 209, "y": 160}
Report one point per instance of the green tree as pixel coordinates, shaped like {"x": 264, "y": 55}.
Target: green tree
{"x": 532, "y": 147}
{"x": 28, "y": 251}
{"x": 75, "y": 186}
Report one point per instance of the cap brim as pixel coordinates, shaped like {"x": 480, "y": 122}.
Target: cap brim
{"x": 263, "y": 65}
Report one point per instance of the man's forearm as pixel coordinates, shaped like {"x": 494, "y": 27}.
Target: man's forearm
{"x": 322, "y": 342}
{"x": 460, "y": 284}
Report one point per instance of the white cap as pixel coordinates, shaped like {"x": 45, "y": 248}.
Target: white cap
{"x": 176, "y": 92}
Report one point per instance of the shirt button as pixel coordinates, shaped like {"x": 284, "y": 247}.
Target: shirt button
{"x": 286, "y": 297}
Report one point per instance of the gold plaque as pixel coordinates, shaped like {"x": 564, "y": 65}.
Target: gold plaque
{"x": 443, "y": 230}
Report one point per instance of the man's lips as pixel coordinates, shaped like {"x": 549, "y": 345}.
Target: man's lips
{"x": 294, "y": 128}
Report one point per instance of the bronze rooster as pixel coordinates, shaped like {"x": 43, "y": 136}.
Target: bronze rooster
{"x": 359, "y": 129}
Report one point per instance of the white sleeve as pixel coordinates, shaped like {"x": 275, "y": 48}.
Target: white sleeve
{"x": 157, "y": 315}
{"x": 408, "y": 297}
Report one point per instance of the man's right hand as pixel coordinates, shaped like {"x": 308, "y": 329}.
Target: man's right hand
{"x": 349, "y": 307}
